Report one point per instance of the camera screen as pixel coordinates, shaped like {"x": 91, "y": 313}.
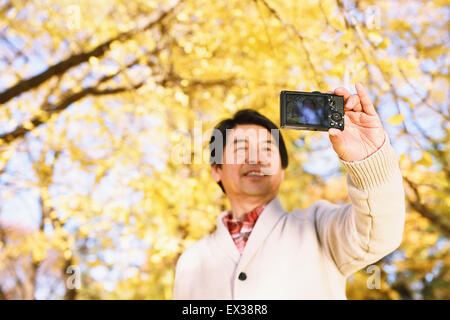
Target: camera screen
{"x": 309, "y": 110}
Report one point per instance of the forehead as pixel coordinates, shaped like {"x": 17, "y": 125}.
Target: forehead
{"x": 249, "y": 132}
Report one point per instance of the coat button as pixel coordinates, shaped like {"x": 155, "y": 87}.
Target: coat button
{"x": 242, "y": 276}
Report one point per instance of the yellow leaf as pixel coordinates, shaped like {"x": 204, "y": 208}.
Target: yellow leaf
{"x": 93, "y": 61}
{"x": 375, "y": 37}
{"x": 411, "y": 104}
{"x": 67, "y": 254}
{"x": 346, "y": 37}
{"x": 426, "y": 160}
{"x": 384, "y": 44}
{"x": 28, "y": 125}
{"x": 395, "y": 120}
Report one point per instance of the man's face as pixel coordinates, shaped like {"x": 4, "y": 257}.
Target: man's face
{"x": 308, "y": 104}
{"x": 251, "y": 163}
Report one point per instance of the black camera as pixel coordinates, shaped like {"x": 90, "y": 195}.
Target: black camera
{"x": 311, "y": 110}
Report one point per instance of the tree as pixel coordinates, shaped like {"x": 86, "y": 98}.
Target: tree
{"x": 99, "y": 99}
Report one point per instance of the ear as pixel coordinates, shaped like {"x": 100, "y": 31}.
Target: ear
{"x": 216, "y": 173}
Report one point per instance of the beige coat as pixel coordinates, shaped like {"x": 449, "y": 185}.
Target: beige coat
{"x": 303, "y": 254}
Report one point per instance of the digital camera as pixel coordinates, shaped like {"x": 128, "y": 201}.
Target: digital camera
{"x": 313, "y": 111}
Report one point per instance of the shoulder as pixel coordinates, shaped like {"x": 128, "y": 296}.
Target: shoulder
{"x": 316, "y": 209}
{"x": 325, "y": 205}
{"x": 311, "y": 209}
{"x": 190, "y": 258}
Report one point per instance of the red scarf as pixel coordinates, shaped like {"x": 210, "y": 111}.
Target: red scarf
{"x": 240, "y": 230}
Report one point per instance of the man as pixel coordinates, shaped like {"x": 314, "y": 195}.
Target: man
{"x": 260, "y": 251}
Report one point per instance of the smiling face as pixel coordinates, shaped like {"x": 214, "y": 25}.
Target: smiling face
{"x": 251, "y": 163}
{"x": 308, "y": 103}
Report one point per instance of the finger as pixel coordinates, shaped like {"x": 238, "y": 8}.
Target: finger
{"x": 366, "y": 102}
{"x": 353, "y": 104}
{"x": 341, "y": 91}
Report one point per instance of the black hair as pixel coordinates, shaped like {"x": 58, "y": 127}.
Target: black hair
{"x": 311, "y": 103}
{"x": 245, "y": 116}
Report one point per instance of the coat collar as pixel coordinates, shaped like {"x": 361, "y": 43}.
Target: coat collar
{"x": 273, "y": 211}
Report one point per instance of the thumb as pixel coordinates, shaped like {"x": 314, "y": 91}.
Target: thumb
{"x": 335, "y": 136}
{"x": 334, "y": 133}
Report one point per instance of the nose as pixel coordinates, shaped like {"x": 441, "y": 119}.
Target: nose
{"x": 252, "y": 156}
{"x": 257, "y": 156}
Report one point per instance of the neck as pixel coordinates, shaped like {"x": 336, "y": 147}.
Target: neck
{"x": 242, "y": 205}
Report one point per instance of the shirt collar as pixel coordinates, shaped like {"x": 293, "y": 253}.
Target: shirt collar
{"x": 249, "y": 218}
{"x": 271, "y": 214}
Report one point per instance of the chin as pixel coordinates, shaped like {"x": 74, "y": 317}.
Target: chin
{"x": 256, "y": 191}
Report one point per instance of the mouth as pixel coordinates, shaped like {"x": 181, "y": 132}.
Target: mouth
{"x": 256, "y": 174}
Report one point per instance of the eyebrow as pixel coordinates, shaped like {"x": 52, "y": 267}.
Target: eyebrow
{"x": 236, "y": 141}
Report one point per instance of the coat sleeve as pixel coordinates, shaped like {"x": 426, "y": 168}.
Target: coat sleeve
{"x": 370, "y": 227}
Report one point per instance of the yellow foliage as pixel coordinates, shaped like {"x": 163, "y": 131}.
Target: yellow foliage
{"x": 103, "y": 167}
{"x": 426, "y": 160}
{"x": 396, "y": 120}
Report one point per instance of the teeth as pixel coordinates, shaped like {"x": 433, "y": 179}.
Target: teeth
{"x": 255, "y": 174}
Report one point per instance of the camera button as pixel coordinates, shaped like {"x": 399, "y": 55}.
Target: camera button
{"x": 336, "y": 116}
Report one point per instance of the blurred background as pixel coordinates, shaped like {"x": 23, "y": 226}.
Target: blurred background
{"x": 98, "y": 99}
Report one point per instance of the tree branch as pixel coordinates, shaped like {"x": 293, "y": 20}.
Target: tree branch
{"x": 425, "y": 211}
{"x": 74, "y": 60}
{"x": 21, "y": 130}
{"x": 318, "y": 80}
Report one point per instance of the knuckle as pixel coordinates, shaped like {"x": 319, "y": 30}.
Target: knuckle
{"x": 353, "y": 99}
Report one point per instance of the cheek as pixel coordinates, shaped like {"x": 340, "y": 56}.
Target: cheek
{"x": 275, "y": 164}
{"x": 278, "y": 171}
{"x": 278, "y": 176}
{"x": 230, "y": 173}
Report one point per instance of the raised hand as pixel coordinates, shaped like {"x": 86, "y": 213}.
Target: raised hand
{"x": 363, "y": 132}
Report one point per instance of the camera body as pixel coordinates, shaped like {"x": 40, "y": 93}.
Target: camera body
{"x": 313, "y": 111}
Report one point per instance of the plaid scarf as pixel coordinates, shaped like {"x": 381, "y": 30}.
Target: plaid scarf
{"x": 240, "y": 230}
